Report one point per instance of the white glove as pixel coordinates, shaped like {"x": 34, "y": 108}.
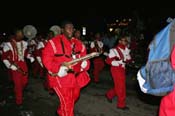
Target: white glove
{"x": 39, "y": 60}
{"x": 7, "y": 63}
{"x": 84, "y": 64}
{"x": 13, "y": 67}
{"x": 105, "y": 53}
{"x": 116, "y": 63}
{"x": 63, "y": 71}
{"x": 32, "y": 59}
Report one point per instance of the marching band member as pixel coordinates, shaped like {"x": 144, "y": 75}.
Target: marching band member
{"x": 98, "y": 62}
{"x": 117, "y": 58}
{"x": 57, "y": 51}
{"x": 42, "y": 43}
{"x": 14, "y": 53}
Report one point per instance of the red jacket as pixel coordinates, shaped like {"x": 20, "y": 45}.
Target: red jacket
{"x": 58, "y": 50}
{"x": 79, "y": 50}
{"x": 121, "y": 54}
{"x": 16, "y": 51}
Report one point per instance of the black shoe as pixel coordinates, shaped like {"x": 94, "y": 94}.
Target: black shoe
{"x": 109, "y": 100}
{"x": 124, "y": 108}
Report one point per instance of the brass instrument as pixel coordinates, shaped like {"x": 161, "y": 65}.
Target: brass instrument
{"x": 88, "y": 56}
{"x": 74, "y": 61}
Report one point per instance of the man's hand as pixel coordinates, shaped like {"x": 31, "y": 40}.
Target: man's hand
{"x": 116, "y": 63}
{"x": 31, "y": 58}
{"x": 84, "y": 64}
{"x": 63, "y": 71}
{"x": 39, "y": 60}
{"x": 105, "y": 53}
{"x": 13, "y": 67}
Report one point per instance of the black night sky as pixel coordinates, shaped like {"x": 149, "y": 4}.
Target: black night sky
{"x": 94, "y": 15}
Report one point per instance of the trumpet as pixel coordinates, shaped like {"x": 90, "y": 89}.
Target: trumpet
{"x": 88, "y": 56}
{"x": 74, "y": 61}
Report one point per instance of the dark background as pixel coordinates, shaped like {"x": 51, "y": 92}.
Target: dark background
{"x": 93, "y": 14}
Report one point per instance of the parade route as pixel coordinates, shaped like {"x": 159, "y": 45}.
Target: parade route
{"x": 92, "y": 102}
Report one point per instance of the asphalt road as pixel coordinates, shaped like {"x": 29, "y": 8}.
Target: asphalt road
{"x": 92, "y": 102}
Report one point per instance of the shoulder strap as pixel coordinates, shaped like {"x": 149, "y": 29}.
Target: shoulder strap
{"x": 62, "y": 45}
{"x": 120, "y": 53}
{"x": 63, "y": 49}
{"x": 53, "y": 46}
{"x": 55, "y": 50}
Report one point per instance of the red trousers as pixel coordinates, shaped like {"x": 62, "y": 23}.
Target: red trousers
{"x": 98, "y": 67}
{"x": 119, "y": 90}
{"x": 20, "y": 81}
{"x": 68, "y": 97}
{"x": 167, "y": 105}
{"x": 37, "y": 70}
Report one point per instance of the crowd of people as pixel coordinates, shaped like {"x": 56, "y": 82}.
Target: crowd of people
{"x": 48, "y": 54}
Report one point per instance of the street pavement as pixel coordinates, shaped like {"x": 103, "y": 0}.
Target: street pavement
{"x": 92, "y": 102}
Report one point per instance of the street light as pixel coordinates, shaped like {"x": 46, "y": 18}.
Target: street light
{"x": 83, "y": 30}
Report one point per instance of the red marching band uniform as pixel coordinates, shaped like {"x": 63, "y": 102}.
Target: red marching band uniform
{"x": 43, "y": 72}
{"x": 117, "y": 58}
{"x": 98, "y": 62}
{"x": 38, "y": 53}
{"x": 13, "y": 56}
{"x": 32, "y": 45}
{"x": 67, "y": 86}
{"x": 79, "y": 50}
